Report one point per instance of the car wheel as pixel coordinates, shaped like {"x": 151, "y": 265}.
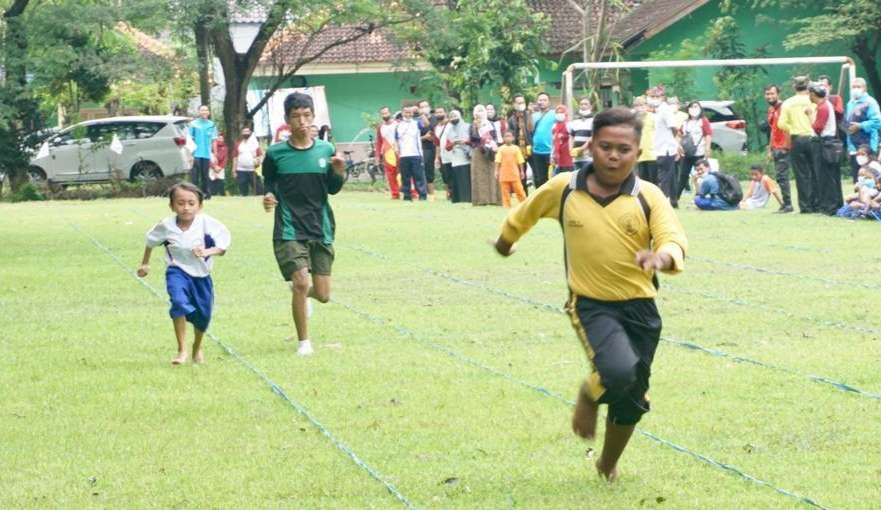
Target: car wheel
{"x": 36, "y": 174}
{"x": 146, "y": 171}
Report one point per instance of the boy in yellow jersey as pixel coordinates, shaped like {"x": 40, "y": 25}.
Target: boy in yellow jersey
{"x": 618, "y": 230}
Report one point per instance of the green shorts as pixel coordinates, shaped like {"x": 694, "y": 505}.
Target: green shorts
{"x": 292, "y": 256}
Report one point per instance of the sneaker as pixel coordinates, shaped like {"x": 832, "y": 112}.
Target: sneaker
{"x": 305, "y": 348}
{"x": 784, "y": 209}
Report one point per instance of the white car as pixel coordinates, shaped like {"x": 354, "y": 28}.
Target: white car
{"x": 150, "y": 147}
{"x": 729, "y": 128}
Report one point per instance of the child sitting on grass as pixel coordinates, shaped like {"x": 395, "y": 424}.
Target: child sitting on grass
{"x": 510, "y": 169}
{"x": 761, "y": 189}
{"x": 865, "y": 190}
{"x": 190, "y": 240}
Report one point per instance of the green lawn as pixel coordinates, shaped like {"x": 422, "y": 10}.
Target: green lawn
{"x": 446, "y": 370}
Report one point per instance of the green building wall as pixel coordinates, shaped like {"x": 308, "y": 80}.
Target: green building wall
{"x": 758, "y": 28}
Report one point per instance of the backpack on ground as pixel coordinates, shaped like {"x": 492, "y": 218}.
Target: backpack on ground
{"x": 729, "y": 188}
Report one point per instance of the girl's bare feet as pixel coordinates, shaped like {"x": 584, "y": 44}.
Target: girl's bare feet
{"x": 198, "y": 357}
{"x": 180, "y": 359}
{"x": 584, "y": 420}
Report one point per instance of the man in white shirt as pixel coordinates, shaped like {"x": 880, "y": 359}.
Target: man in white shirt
{"x": 246, "y": 157}
{"x": 408, "y": 147}
{"x": 666, "y": 146}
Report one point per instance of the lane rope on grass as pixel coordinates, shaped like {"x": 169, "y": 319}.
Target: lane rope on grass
{"x": 408, "y": 333}
{"x": 273, "y": 386}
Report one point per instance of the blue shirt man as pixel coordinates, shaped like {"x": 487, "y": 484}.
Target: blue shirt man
{"x": 707, "y": 197}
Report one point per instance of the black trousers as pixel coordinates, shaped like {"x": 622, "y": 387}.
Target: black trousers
{"x": 539, "y": 164}
{"x": 685, "y": 166}
{"x": 428, "y": 155}
{"x": 199, "y": 175}
{"x": 667, "y": 177}
{"x": 648, "y": 171}
{"x": 411, "y": 168}
{"x": 620, "y": 338}
{"x": 803, "y": 164}
{"x": 462, "y": 183}
{"x": 245, "y": 179}
{"x": 854, "y": 168}
{"x": 827, "y": 154}
{"x": 781, "y": 174}
{"x": 217, "y": 187}
{"x": 446, "y": 171}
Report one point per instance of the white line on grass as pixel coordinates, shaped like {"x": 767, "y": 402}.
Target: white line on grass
{"x": 278, "y": 390}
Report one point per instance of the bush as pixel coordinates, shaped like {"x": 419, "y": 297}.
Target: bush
{"x": 738, "y": 165}
{"x": 27, "y": 193}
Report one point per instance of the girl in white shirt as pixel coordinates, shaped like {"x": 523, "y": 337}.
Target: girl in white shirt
{"x": 190, "y": 240}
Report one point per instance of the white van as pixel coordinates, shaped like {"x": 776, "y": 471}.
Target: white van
{"x": 152, "y": 147}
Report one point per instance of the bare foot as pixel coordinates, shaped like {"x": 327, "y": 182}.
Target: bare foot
{"x": 584, "y": 420}
{"x": 609, "y": 475}
{"x": 180, "y": 359}
{"x": 198, "y": 357}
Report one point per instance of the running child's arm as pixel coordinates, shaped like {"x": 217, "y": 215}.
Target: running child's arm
{"x": 269, "y": 176}
{"x": 144, "y": 270}
{"x": 544, "y": 203}
{"x": 221, "y": 236}
{"x": 337, "y": 176}
{"x": 669, "y": 241}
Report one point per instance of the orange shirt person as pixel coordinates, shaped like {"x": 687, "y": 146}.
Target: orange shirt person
{"x": 510, "y": 171}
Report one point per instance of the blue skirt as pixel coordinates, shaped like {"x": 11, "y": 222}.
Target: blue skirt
{"x": 190, "y": 296}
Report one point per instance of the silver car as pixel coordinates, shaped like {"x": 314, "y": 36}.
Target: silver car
{"x": 729, "y": 128}
{"x": 148, "y": 147}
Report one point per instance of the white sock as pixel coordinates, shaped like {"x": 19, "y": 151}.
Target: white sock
{"x": 305, "y": 348}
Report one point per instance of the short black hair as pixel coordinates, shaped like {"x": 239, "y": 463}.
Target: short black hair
{"x": 518, "y": 95}
{"x": 185, "y": 186}
{"x": 824, "y": 77}
{"x": 618, "y": 116}
{"x": 702, "y": 162}
{"x": 297, "y": 100}
{"x": 772, "y": 86}
{"x": 542, "y": 93}
{"x": 423, "y": 101}
{"x": 757, "y": 168}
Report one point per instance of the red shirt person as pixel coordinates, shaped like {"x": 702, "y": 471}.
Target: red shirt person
{"x": 562, "y": 151}
{"x": 778, "y": 146}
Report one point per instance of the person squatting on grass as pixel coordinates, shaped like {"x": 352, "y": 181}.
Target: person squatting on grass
{"x": 617, "y": 231}
{"x": 191, "y": 240}
{"x": 761, "y": 189}
{"x": 300, "y": 174}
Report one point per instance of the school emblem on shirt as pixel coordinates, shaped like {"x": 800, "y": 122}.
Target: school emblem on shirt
{"x": 322, "y": 162}
{"x": 628, "y": 224}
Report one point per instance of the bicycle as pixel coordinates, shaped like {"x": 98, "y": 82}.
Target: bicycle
{"x": 354, "y": 170}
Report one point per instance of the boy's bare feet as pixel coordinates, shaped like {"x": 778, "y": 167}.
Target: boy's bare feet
{"x": 180, "y": 359}
{"x": 584, "y": 420}
{"x": 198, "y": 357}
{"x": 609, "y": 475}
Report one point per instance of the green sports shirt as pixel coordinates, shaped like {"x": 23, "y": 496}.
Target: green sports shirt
{"x": 301, "y": 180}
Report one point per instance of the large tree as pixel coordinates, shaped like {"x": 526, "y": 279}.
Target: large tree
{"x": 300, "y": 24}
{"x": 475, "y": 44}
{"x": 854, "y": 23}
{"x": 16, "y": 105}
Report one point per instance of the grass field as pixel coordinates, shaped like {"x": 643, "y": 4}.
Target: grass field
{"x": 441, "y": 371}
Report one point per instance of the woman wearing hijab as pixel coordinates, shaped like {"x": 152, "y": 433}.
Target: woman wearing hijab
{"x": 484, "y": 188}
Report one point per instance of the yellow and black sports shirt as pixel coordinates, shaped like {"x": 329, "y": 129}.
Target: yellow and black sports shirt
{"x": 603, "y": 236}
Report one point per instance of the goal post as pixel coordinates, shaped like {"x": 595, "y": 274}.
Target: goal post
{"x": 848, "y": 69}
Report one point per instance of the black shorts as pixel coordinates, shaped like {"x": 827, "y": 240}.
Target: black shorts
{"x": 620, "y": 338}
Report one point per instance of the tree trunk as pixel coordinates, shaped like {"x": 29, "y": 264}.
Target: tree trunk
{"x": 201, "y": 31}
{"x": 866, "y": 53}
{"x": 15, "y": 92}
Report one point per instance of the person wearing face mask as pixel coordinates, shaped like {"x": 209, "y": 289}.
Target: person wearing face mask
{"x": 795, "y": 119}
{"x": 246, "y": 157}
{"x": 697, "y": 135}
{"x": 580, "y": 131}
{"x": 647, "y": 164}
{"x": 778, "y": 146}
{"x": 827, "y": 153}
{"x": 429, "y": 144}
{"x": 408, "y": 147}
{"x": 443, "y": 159}
{"x": 484, "y": 188}
{"x": 520, "y": 123}
{"x": 561, "y": 158}
{"x": 385, "y": 151}
{"x": 542, "y": 140}
{"x": 667, "y": 149}
{"x": 499, "y": 125}
{"x": 863, "y": 121}
{"x": 458, "y": 143}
